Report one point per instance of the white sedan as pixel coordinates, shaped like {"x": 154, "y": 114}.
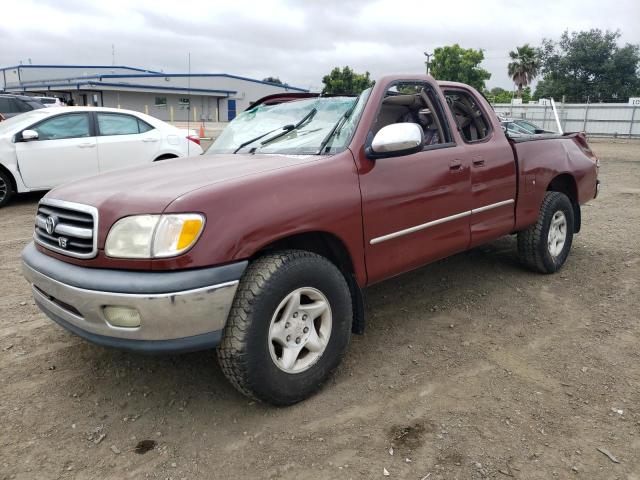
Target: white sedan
{"x": 45, "y": 148}
{"x": 50, "y": 102}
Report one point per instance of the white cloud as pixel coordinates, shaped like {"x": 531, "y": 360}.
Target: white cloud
{"x": 299, "y": 41}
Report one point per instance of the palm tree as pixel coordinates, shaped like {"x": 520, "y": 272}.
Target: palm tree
{"x": 524, "y": 66}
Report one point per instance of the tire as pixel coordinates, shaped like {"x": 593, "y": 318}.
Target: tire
{"x": 264, "y": 322}
{"x": 6, "y": 188}
{"x": 544, "y": 247}
{"x": 165, "y": 157}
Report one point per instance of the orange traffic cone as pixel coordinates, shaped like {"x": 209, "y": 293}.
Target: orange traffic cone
{"x": 202, "y": 130}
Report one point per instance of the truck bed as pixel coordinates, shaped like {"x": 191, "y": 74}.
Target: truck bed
{"x": 573, "y": 160}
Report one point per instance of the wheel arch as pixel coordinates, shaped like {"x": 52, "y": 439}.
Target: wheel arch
{"x": 566, "y": 183}
{"x": 165, "y": 156}
{"x": 333, "y": 249}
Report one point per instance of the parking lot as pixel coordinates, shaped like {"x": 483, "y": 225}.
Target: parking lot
{"x": 469, "y": 368}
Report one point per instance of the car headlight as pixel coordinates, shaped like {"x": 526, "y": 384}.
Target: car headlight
{"x": 153, "y": 236}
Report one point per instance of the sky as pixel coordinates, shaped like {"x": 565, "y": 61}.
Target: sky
{"x": 297, "y": 41}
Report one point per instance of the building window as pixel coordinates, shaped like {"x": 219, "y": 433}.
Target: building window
{"x": 161, "y": 101}
{"x": 184, "y": 101}
{"x": 231, "y": 109}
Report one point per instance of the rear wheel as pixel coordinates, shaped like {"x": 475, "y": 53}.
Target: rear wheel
{"x": 545, "y": 246}
{"x": 6, "y": 188}
{"x": 288, "y": 328}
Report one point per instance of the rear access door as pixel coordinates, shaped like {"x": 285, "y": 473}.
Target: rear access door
{"x": 493, "y": 167}
{"x": 125, "y": 141}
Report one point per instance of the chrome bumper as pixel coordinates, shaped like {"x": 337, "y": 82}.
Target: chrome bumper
{"x": 189, "y": 320}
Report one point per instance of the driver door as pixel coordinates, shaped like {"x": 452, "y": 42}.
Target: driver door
{"x": 65, "y": 150}
{"x": 415, "y": 207}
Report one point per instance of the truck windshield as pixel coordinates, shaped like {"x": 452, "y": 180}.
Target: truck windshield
{"x": 272, "y": 127}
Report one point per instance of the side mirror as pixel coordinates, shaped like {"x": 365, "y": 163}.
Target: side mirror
{"x": 28, "y": 135}
{"x": 395, "y": 140}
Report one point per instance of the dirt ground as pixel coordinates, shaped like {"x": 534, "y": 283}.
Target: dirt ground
{"x": 469, "y": 368}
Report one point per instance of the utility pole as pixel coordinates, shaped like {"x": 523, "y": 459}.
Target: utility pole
{"x": 428, "y": 55}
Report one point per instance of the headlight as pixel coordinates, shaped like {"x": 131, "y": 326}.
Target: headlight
{"x": 153, "y": 236}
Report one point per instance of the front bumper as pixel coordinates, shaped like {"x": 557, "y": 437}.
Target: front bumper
{"x": 179, "y": 310}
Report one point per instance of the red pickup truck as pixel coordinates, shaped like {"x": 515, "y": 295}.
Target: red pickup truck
{"x": 261, "y": 248}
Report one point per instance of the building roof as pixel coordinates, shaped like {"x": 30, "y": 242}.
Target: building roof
{"x": 123, "y": 67}
{"x": 112, "y": 78}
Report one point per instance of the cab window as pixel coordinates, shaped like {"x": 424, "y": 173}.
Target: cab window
{"x": 414, "y": 102}
{"x": 73, "y": 125}
{"x": 470, "y": 119}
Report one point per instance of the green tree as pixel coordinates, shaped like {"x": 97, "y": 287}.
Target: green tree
{"x": 589, "y": 66}
{"x": 459, "y": 64}
{"x": 345, "y": 82}
{"x": 500, "y": 95}
{"x": 275, "y": 80}
{"x": 524, "y": 66}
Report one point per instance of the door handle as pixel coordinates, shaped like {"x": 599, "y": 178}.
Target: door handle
{"x": 478, "y": 161}
{"x": 147, "y": 140}
{"x": 87, "y": 145}
{"x": 455, "y": 164}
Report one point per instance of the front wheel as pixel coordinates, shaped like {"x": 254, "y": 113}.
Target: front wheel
{"x": 544, "y": 247}
{"x": 288, "y": 328}
{"x": 6, "y": 188}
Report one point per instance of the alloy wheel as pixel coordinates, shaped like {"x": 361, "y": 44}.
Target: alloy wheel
{"x": 300, "y": 329}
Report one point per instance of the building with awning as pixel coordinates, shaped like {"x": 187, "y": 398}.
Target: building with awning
{"x": 210, "y": 97}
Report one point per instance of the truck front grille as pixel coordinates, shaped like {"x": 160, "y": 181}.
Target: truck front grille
{"x": 67, "y": 228}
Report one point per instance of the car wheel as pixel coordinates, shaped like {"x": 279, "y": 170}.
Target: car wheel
{"x": 288, "y": 328}
{"x": 545, "y": 246}
{"x": 165, "y": 157}
{"x": 6, "y": 188}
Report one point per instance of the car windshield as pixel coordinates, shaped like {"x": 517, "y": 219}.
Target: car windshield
{"x": 15, "y": 124}
{"x": 297, "y": 127}
{"x": 531, "y": 128}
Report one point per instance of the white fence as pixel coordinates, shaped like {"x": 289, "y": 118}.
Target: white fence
{"x": 596, "y": 119}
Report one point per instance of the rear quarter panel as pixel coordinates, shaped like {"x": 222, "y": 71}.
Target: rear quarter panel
{"x": 539, "y": 162}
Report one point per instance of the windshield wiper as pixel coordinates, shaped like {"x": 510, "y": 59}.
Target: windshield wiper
{"x": 336, "y": 128}
{"x": 286, "y": 128}
{"x": 307, "y": 118}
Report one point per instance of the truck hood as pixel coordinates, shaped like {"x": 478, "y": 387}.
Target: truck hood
{"x": 150, "y": 188}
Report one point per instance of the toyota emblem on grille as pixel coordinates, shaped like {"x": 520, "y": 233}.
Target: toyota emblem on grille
{"x": 51, "y": 225}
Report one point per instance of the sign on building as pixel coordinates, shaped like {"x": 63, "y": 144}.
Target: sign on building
{"x": 635, "y": 101}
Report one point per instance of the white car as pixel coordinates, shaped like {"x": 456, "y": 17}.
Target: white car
{"x": 45, "y": 148}
{"x": 50, "y": 101}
